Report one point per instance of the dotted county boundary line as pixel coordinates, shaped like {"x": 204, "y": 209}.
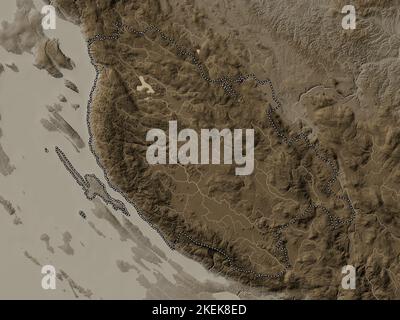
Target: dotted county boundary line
{"x": 227, "y": 84}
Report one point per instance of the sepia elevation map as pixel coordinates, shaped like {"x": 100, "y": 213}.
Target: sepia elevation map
{"x": 312, "y": 86}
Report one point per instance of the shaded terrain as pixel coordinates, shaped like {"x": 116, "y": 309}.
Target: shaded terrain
{"x": 324, "y": 192}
